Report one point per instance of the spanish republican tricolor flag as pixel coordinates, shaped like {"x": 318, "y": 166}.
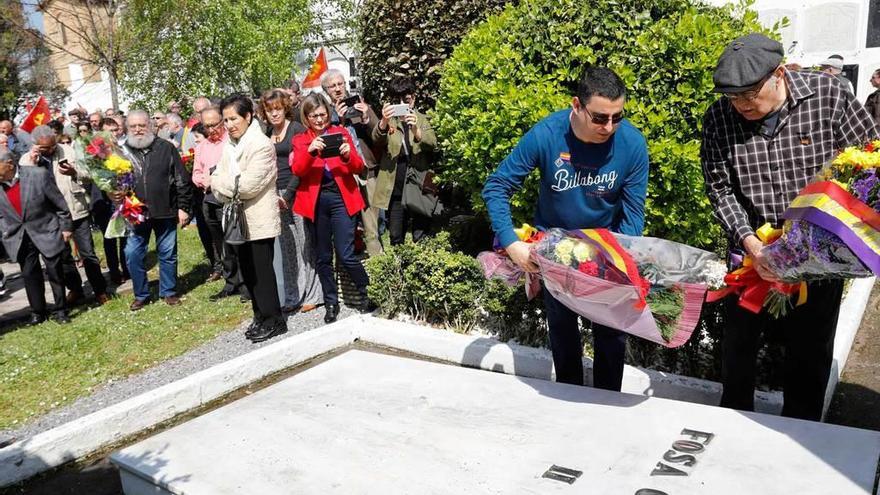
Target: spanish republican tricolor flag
{"x": 39, "y": 115}
{"x": 313, "y": 78}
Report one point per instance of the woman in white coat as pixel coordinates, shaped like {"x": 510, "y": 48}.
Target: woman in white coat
{"x": 250, "y": 156}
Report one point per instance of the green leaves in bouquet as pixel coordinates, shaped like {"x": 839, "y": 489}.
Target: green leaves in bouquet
{"x": 666, "y": 306}
{"x": 518, "y": 66}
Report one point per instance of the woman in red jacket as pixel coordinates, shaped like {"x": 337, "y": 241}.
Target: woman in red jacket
{"x": 329, "y": 197}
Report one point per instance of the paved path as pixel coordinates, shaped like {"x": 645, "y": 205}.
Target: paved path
{"x": 15, "y": 307}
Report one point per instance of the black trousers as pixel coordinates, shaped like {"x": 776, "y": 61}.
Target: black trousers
{"x": 35, "y": 284}
{"x": 198, "y": 199}
{"x": 334, "y": 227}
{"x": 398, "y": 221}
{"x": 114, "y": 249}
{"x": 808, "y": 338}
{"x": 213, "y": 215}
{"x": 609, "y": 348}
{"x": 82, "y": 236}
{"x": 255, "y": 260}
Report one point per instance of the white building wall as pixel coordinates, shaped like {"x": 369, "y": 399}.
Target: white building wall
{"x": 90, "y": 95}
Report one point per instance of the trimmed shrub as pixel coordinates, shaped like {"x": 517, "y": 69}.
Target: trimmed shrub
{"x": 413, "y": 38}
{"x": 427, "y": 281}
{"x": 518, "y": 66}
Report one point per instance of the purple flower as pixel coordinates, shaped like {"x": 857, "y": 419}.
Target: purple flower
{"x": 126, "y": 181}
{"x": 866, "y": 189}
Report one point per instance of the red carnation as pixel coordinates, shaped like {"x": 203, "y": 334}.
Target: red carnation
{"x": 97, "y": 148}
{"x": 869, "y": 147}
{"x": 589, "y": 268}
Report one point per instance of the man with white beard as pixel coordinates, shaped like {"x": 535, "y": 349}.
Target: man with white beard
{"x": 163, "y": 184}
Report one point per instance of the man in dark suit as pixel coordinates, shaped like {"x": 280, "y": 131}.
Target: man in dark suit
{"x": 35, "y": 221}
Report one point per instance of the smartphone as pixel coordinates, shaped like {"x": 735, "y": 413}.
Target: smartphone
{"x": 332, "y": 142}
{"x": 400, "y": 110}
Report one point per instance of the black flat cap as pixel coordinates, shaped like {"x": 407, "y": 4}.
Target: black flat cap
{"x": 746, "y": 61}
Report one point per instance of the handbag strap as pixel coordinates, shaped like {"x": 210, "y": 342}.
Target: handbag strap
{"x": 235, "y": 197}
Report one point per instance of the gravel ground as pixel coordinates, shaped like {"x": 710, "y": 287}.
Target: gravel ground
{"x": 223, "y": 348}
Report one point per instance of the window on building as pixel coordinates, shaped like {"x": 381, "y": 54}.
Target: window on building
{"x": 63, "y": 35}
{"x": 851, "y": 72}
{"x": 873, "y": 24}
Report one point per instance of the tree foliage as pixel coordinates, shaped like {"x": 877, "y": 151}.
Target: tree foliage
{"x": 520, "y": 65}
{"x": 413, "y": 38}
{"x": 24, "y": 67}
{"x": 191, "y": 48}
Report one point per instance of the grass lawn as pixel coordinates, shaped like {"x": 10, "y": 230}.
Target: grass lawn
{"x": 50, "y": 365}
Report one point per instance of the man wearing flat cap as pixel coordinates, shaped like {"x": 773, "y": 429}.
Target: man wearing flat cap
{"x": 763, "y": 141}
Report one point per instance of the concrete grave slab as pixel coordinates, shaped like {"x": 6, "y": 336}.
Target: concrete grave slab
{"x": 371, "y": 423}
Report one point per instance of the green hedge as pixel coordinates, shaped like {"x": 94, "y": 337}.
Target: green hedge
{"x": 413, "y": 38}
{"x": 520, "y": 65}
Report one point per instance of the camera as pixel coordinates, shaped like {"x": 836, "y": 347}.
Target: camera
{"x": 352, "y": 114}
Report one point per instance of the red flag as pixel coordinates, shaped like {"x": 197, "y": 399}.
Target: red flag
{"x": 313, "y": 78}
{"x": 38, "y": 116}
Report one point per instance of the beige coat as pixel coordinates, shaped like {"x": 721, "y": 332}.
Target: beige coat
{"x": 254, "y": 155}
{"x": 72, "y": 188}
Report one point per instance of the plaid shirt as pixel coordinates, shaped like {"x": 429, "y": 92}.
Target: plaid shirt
{"x": 751, "y": 177}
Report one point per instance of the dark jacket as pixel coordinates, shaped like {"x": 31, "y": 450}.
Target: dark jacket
{"x": 44, "y": 214}
{"x": 160, "y": 180}
{"x": 872, "y": 104}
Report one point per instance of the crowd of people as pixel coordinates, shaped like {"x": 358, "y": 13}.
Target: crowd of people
{"x": 310, "y": 172}
{"x": 317, "y": 176}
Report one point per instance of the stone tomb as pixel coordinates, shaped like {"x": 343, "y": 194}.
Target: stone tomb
{"x": 363, "y": 422}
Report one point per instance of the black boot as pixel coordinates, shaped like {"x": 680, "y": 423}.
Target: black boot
{"x": 332, "y": 312}
{"x": 268, "y": 330}
{"x": 253, "y": 327}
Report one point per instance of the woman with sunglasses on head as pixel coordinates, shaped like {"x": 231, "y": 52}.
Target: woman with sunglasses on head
{"x": 594, "y": 174}
{"x": 249, "y": 160}
{"x": 294, "y": 263}
{"x": 325, "y": 160}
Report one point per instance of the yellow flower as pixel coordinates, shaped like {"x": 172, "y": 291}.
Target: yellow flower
{"x": 851, "y": 157}
{"x": 118, "y": 165}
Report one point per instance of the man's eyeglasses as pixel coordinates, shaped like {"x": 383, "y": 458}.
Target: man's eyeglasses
{"x": 750, "y": 95}
{"x": 603, "y": 118}
{"x": 209, "y": 127}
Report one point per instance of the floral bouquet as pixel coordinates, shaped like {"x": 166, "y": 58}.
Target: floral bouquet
{"x": 188, "y": 159}
{"x": 832, "y": 231}
{"x": 109, "y": 171}
{"x": 648, "y": 287}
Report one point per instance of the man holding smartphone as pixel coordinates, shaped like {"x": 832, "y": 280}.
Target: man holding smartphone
{"x": 594, "y": 174}
{"x": 60, "y": 160}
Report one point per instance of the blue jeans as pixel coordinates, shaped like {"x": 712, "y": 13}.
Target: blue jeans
{"x": 334, "y": 227}
{"x": 609, "y": 348}
{"x": 166, "y": 249}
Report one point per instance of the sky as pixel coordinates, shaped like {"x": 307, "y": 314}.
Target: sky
{"x": 34, "y": 18}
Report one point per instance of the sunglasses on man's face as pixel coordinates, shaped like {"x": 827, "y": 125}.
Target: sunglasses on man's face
{"x": 603, "y": 118}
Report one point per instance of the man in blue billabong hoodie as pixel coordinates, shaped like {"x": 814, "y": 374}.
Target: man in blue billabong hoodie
{"x": 594, "y": 174}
